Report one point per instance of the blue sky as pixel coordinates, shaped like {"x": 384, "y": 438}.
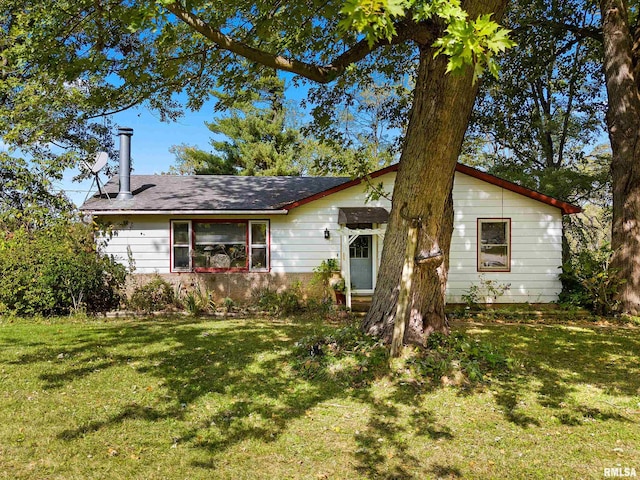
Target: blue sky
{"x": 149, "y": 145}
{"x": 152, "y": 140}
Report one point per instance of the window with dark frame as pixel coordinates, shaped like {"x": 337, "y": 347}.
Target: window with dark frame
{"x": 494, "y": 245}
{"x": 212, "y": 246}
{"x": 359, "y": 248}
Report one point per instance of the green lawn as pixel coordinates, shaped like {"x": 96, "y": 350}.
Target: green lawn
{"x": 179, "y": 398}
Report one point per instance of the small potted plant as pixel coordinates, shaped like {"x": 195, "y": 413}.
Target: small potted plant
{"x": 339, "y": 289}
{"x": 327, "y": 274}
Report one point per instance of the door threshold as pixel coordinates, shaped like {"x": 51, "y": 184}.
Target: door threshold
{"x": 361, "y": 293}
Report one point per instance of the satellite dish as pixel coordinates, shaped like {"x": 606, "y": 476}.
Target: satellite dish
{"x": 101, "y": 160}
{"x": 98, "y": 164}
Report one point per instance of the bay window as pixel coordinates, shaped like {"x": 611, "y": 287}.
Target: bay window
{"x": 212, "y": 245}
{"x": 494, "y": 245}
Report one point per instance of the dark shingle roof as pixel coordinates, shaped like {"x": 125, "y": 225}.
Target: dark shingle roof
{"x": 210, "y": 192}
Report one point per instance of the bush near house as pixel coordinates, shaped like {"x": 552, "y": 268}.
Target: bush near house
{"x": 287, "y": 302}
{"x": 157, "y": 295}
{"x": 589, "y": 282}
{"x": 56, "y": 270}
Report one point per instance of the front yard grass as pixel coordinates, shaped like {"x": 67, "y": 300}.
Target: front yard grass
{"x": 184, "y": 398}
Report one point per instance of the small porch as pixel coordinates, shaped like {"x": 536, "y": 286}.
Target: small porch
{"x": 362, "y": 233}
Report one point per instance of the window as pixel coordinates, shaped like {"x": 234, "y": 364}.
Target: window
{"x": 210, "y": 246}
{"x": 181, "y": 239}
{"x": 359, "y": 248}
{"x": 259, "y": 246}
{"x": 494, "y": 245}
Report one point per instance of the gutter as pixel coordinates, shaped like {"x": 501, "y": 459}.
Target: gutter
{"x": 184, "y": 212}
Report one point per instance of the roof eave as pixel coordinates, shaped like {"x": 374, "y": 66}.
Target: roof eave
{"x": 565, "y": 208}
{"x": 183, "y": 212}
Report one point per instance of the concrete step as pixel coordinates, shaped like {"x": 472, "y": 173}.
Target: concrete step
{"x": 360, "y": 304}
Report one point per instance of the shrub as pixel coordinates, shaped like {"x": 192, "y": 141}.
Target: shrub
{"x": 588, "y": 281}
{"x": 478, "y": 294}
{"x": 283, "y": 303}
{"x": 196, "y": 301}
{"x": 265, "y": 298}
{"x": 228, "y": 304}
{"x": 57, "y": 270}
{"x": 322, "y": 274}
{"x": 152, "y": 297}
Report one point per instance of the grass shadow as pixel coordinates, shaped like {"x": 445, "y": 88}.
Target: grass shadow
{"x": 229, "y": 382}
{"x": 555, "y": 361}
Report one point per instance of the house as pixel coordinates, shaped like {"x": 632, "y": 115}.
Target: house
{"x": 239, "y": 233}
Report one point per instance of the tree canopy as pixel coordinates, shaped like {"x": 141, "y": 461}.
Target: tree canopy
{"x": 261, "y": 133}
{"x": 26, "y": 198}
{"x": 66, "y": 65}
{"x": 256, "y": 139}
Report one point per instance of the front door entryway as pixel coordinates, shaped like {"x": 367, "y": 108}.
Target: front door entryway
{"x": 359, "y": 249}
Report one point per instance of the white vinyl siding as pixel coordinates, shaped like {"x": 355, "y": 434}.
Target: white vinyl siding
{"x": 297, "y": 239}
{"x": 143, "y": 240}
{"x": 536, "y": 242}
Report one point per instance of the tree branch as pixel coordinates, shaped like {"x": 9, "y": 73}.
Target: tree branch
{"x": 573, "y": 78}
{"x": 316, "y": 73}
{"x": 583, "y": 32}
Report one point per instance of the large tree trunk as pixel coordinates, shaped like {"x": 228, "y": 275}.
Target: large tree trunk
{"x": 623, "y": 121}
{"x": 439, "y": 116}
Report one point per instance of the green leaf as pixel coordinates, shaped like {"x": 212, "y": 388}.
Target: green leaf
{"x": 499, "y": 41}
{"x": 484, "y": 26}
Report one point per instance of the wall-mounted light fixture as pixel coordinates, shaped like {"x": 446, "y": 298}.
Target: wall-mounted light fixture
{"x": 327, "y": 234}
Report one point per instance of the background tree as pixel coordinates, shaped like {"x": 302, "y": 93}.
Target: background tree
{"x": 114, "y": 55}
{"x": 256, "y": 137}
{"x": 537, "y": 124}
{"x": 26, "y": 198}
{"x": 617, "y": 27}
{"x": 362, "y": 125}
{"x": 620, "y": 34}
{"x": 261, "y": 133}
